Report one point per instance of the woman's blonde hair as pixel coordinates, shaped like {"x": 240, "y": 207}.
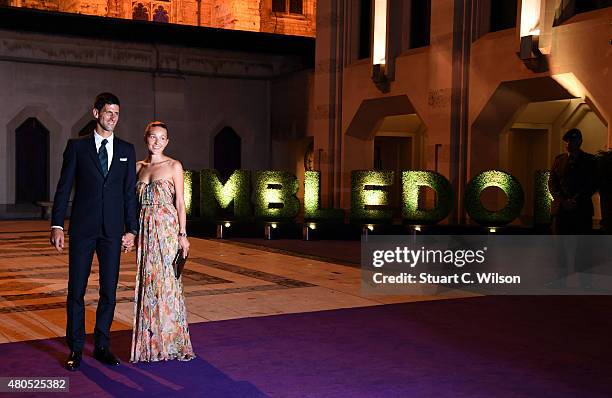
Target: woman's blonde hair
{"x": 155, "y": 124}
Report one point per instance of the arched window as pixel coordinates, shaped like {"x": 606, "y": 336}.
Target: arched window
{"x": 160, "y": 15}
{"x": 227, "y": 152}
{"x": 140, "y": 12}
{"x": 32, "y": 162}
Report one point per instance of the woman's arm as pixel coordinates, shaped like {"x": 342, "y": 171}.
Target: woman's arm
{"x": 138, "y": 168}
{"x": 179, "y": 203}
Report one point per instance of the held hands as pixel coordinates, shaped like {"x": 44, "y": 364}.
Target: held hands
{"x": 127, "y": 242}
{"x": 184, "y": 244}
{"x": 57, "y": 239}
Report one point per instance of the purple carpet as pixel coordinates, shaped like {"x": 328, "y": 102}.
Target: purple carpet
{"x": 477, "y": 347}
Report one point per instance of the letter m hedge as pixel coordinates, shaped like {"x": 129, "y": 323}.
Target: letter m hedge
{"x": 216, "y": 198}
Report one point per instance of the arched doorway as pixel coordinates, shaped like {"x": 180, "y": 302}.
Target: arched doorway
{"x": 385, "y": 134}
{"x": 32, "y": 162}
{"x": 227, "y": 152}
{"x": 519, "y": 131}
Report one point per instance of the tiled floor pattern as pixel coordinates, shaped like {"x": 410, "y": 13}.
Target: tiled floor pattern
{"x": 222, "y": 281}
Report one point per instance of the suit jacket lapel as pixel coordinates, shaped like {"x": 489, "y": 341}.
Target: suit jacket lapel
{"x": 116, "y": 152}
{"x": 91, "y": 148}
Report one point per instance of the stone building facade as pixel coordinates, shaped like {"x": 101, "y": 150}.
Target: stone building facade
{"x": 453, "y": 86}
{"x": 218, "y": 91}
{"x": 458, "y": 87}
{"x": 290, "y": 17}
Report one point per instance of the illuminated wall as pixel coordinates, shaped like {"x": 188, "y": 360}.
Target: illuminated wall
{"x": 250, "y": 15}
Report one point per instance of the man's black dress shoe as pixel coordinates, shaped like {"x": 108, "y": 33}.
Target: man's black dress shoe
{"x": 73, "y": 361}
{"x": 105, "y": 356}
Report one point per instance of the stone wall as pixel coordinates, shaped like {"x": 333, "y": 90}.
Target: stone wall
{"x": 196, "y": 91}
{"x": 49, "y": 5}
{"x": 250, "y": 15}
{"x": 290, "y": 24}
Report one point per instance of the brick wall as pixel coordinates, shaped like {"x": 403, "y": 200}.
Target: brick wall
{"x": 246, "y": 14}
{"x": 222, "y": 14}
{"x": 186, "y": 12}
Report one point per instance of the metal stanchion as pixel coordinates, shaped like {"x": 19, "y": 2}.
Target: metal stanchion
{"x": 365, "y": 231}
{"x": 222, "y": 229}
{"x": 269, "y": 230}
{"x": 305, "y": 232}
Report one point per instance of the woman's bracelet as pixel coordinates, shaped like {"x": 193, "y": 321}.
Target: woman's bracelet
{"x": 182, "y": 234}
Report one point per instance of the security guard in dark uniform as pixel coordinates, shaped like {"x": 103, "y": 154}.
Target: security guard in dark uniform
{"x": 572, "y": 182}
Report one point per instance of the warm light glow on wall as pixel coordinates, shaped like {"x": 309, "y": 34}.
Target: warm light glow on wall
{"x": 530, "y": 18}
{"x": 571, "y": 84}
{"x": 379, "y": 52}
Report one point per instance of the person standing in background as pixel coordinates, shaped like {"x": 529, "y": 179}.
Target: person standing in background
{"x": 572, "y": 183}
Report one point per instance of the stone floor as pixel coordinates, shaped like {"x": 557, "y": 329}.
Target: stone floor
{"x": 222, "y": 281}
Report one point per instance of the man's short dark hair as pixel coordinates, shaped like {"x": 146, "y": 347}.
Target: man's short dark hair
{"x": 105, "y": 99}
{"x": 572, "y": 134}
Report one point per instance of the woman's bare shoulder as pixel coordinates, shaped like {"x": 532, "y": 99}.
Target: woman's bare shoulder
{"x": 176, "y": 165}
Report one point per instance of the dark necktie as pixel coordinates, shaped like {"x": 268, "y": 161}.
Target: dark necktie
{"x": 103, "y": 156}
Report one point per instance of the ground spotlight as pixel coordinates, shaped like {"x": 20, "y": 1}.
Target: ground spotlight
{"x": 221, "y": 230}
{"x": 268, "y": 230}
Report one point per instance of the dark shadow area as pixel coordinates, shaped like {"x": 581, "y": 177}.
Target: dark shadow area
{"x": 227, "y": 152}
{"x": 32, "y": 162}
{"x": 195, "y": 378}
{"x": 569, "y": 8}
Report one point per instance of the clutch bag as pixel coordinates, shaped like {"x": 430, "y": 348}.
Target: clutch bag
{"x": 179, "y": 263}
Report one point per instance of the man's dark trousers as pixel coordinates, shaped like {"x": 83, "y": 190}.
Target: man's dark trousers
{"x": 81, "y": 251}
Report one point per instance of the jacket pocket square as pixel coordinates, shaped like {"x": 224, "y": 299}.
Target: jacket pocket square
{"x": 123, "y": 159}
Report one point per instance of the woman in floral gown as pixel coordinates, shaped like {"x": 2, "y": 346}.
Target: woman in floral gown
{"x": 160, "y": 319}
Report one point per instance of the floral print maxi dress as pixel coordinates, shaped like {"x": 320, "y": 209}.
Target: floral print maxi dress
{"x": 160, "y": 319}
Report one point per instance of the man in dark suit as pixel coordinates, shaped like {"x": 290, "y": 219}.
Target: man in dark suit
{"x": 102, "y": 168}
{"x": 572, "y": 183}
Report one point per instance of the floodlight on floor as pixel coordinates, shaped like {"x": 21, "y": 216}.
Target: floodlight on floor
{"x": 268, "y": 230}
{"x": 221, "y": 229}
